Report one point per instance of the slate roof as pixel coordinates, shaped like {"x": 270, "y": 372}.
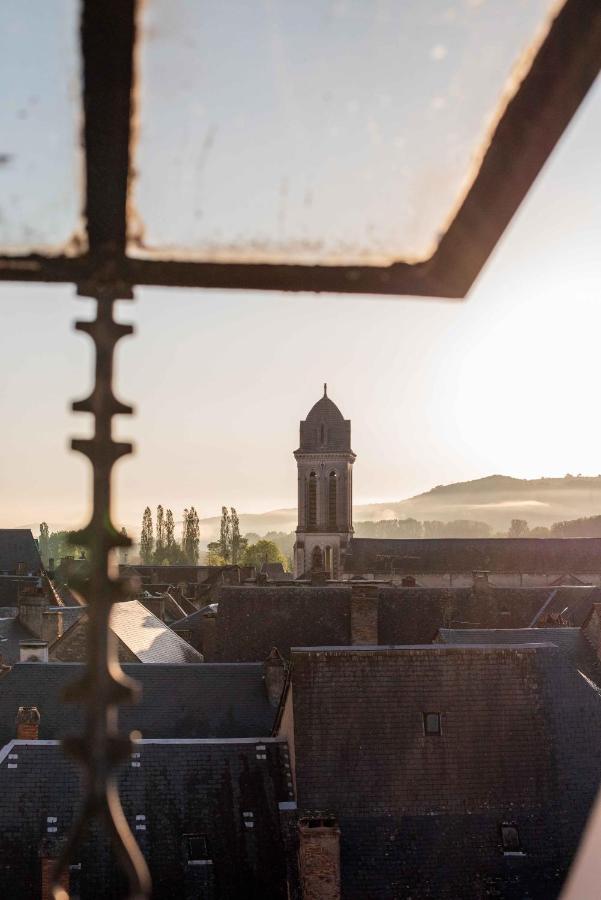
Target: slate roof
{"x": 11, "y": 585}
{"x": 570, "y": 641}
{"x": 193, "y": 701}
{"x": 413, "y": 556}
{"x": 144, "y": 635}
{"x": 11, "y": 635}
{"x": 571, "y": 604}
{"x": 70, "y": 614}
{"x": 170, "y": 790}
{"x": 18, "y": 545}
{"x": 253, "y": 619}
{"x": 420, "y": 815}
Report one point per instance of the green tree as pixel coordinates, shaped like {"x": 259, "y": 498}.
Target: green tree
{"x": 146, "y": 538}
{"x": 59, "y": 546}
{"x": 184, "y": 541}
{"x": 518, "y": 528}
{"x": 159, "y": 551}
{"x": 123, "y": 550}
{"x": 191, "y": 539}
{"x": 263, "y": 551}
{"x": 238, "y": 543}
{"x": 43, "y": 542}
{"x": 214, "y": 557}
{"x": 171, "y": 549}
{"x": 225, "y": 534}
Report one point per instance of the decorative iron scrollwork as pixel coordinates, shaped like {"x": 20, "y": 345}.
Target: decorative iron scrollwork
{"x": 104, "y": 685}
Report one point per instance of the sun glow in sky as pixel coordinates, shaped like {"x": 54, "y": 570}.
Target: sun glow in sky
{"x": 437, "y": 391}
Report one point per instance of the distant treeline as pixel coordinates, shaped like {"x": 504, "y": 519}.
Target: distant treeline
{"x": 469, "y": 528}
{"x": 588, "y": 527}
{"x": 412, "y": 528}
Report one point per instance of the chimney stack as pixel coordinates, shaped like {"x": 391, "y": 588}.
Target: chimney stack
{"x": 481, "y": 582}
{"x": 364, "y": 614}
{"x": 275, "y": 676}
{"x": 32, "y": 606}
{"x": 33, "y": 651}
{"x": 49, "y": 853}
{"x": 28, "y": 723}
{"x": 319, "y": 857}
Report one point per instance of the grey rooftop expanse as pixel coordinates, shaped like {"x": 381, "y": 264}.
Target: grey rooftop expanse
{"x": 17, "y": 545}
{"x": 168, "y": 790}
{"x": 420, "y": 815}
{"x": 412, "y": 556}
{"x": 193, "y": 701}
{"x": 570, "y": 641}
{"x": 253, "y": 619}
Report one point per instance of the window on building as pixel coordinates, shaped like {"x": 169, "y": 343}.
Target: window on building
{"x": 432, "y": 723}
{"x": 510, "y": 838}
{"x": 332, "y": 500}
{"x": 312, "y": 501}
{"x": 317, "y": 560}
{"x": 197, "y": 848}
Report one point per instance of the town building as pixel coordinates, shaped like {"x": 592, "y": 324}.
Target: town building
{"x": 325, "y": 490}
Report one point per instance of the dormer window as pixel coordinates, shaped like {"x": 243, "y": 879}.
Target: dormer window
{"x": 510, "y": 839}
{"x": 197, "y": 850}
{"x": 432, "y": 723}
{"x": 322, "y": 434}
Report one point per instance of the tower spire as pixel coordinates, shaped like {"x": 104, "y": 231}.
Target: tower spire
{"x": 325, "y": 389}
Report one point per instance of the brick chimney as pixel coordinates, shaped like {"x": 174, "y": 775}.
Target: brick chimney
{"x": 28, "y": 723}
{"x": 481, "y": 582}
{"x": 319, "y": 857}
{"x": 49, "y": 853}
{"x": 364, "y": 614}
{"x": 275, "y": 676}
{"x": 32, "y": 605}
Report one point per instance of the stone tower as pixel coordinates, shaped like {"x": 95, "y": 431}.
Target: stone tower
{"x": 325, "y": 490}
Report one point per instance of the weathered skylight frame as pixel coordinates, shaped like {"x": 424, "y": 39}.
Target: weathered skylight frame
{"x": 551, "y": 91}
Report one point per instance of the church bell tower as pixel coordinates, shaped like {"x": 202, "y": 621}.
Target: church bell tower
{"x": 325, "y": 490}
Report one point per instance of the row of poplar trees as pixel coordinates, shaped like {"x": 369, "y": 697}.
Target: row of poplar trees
{"x": 231, "y": 545}
{"x": 160, "y": 547}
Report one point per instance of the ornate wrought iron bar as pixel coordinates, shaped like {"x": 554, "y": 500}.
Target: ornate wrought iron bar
{"x": 107, "y": 40}
{"x": 104, "y": 684}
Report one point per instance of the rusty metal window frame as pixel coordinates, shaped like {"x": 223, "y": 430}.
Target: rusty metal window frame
{"x": 551, "y": 91}
{"x": 558, "y": 79}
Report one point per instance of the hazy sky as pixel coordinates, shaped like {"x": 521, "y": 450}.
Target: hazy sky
{"x": 507, "y": 381}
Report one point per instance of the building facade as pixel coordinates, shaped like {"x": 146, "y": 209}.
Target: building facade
{"x": 325, "y": 490}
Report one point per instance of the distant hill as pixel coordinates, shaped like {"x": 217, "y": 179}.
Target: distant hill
{"x": 496, "y": 500}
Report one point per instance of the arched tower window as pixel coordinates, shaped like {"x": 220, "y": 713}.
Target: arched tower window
{"x": 317, "y": 560}
{"x": 332, "y": 500}
{"x": 312, "y": 501}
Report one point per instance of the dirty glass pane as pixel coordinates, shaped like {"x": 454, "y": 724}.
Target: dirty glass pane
{"x": 40, "y": 121}
{"x": 316, "y": 131}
